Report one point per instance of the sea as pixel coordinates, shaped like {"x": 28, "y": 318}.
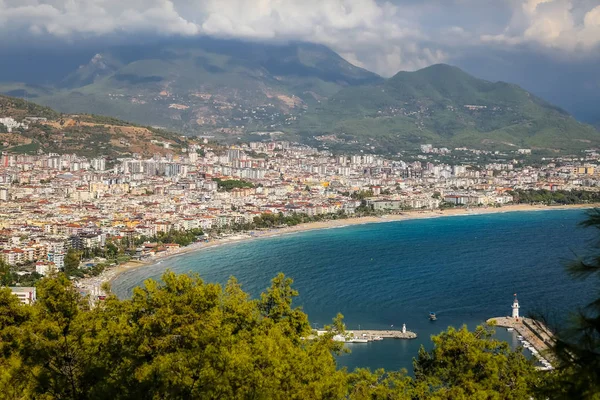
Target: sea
{"x": 466, "y": 269}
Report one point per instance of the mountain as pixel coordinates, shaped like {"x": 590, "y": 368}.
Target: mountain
{"x": 201, "y": 85}
{"x": 231, "y": 89}
{"x": 83, "y": 134}
{"x": 445, "y": 106}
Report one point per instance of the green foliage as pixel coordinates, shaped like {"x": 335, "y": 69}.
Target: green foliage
{"x": 180, "y": 339}
{"x": 361, "y": 195}
{"x": 182, "y": 238}
{"x": 473, "y": 365}
{"x": 555, "y": 197}
{"x": 186, "y": 339}
{"x": 428, "y": 106}
{"x": 72, "y": 261}
{"x": 19, "y": 108}
{"x": 248, "y": 77}
{"x": 230, "y": 184}
{"x": 82, "y": 137}
{"x": 578, "y": 345}
{"x": 7, "y": 275}
{"x": 269, "y": 220}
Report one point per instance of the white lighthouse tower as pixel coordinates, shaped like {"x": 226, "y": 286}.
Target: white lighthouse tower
{"x": 515, "y": 308}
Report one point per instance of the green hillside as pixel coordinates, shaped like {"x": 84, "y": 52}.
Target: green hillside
{"x": 83, "y": 134}
{"x": 447, "y": 107}
{"x": 231, "y": 90}
{"x": 202, "y": 85}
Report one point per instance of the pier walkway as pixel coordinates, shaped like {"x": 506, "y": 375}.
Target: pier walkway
{"x": 536, "y": 333}
{"x": 391, "y": 334}
{"x": 374, "y": 335}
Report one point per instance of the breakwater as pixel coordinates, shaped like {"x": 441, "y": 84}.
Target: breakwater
{"x": 534, "y": 335}
{"x": 370, "y": 335}
{"x": 383, "y": 334}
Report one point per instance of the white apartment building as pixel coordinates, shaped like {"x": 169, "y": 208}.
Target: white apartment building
{"x": 26, "y": 295}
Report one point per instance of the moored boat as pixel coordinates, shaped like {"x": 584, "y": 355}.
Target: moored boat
{"x": 357, "y": 340}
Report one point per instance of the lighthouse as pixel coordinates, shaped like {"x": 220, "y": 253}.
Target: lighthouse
{"x": 515, "y": 308}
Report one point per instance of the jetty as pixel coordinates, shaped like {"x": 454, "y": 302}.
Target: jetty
{"x": 534, "y": 334}
{"x": 370, "y": 335}
{"x": 532, "y": 331}
{"x": 386, "y": 334}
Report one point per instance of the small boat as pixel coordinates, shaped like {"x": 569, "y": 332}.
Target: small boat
{"x": 432, "y": 316}
{"x": 520, "y": 337}
{"x": 357, "y": 340}
{"x": 510, "y": 329}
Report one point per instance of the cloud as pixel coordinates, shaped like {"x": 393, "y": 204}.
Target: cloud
{"x": 560, "y": 25}
{"x": 67, "y": 18}
{"x": 382, "y": 35}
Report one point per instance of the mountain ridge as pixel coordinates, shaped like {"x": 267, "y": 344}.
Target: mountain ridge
{"x": 201, "y": 85}
{"x": 232, "y": 89}
{"x": 445, "y": 105}
{"x": 83, "y": 134}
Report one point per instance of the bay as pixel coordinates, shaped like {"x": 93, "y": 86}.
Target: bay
{"x": 465, "y": 269}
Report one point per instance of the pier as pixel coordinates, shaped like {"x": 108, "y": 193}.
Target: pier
{"x": 369, "y": 335}
{"x": 387, "y": 334}
{"x": 535, "y": 336}
{"x": 534, "y": 332}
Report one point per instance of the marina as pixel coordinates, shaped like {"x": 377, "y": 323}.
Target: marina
{"x": 533, "y": 335}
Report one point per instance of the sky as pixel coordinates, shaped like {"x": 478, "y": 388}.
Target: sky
{"x": 535, "y": 43}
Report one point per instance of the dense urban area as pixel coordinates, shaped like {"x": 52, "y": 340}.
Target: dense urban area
{"x": 82, "y": 215}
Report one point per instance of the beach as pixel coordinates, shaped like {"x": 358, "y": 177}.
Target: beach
{"x": 112, "y": 273}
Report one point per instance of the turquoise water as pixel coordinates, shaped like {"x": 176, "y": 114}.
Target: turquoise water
{"x": 465, "y": 269}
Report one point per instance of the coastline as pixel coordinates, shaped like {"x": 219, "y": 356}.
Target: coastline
{"x": 111, "y": 274}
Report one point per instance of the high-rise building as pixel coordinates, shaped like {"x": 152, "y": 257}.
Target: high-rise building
{"x": 99, "y": 164}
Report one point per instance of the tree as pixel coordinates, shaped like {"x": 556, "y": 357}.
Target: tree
{"x": 72, "y": 261}
{"x": 578, "y": 346}
{"x": 12, "y": 315}
{"x": 473, "y": 365}
{"x": 187, "y": 339}
{"x": 111, "y": 250}
{"x": 180, "y": 339}
{"x": 7, "y": 276}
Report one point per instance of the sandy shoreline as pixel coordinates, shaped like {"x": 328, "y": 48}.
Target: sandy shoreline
{"x": 111, "y": 274}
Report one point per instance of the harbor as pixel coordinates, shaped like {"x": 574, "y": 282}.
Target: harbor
{"x": 533, "y": 335}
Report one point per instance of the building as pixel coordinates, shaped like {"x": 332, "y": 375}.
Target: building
{"x": 99, "y": 164}
{"x": 11, "y": 123}
{"x": 44, "y": 268}
{"x": 58, "y": 259}
{"x": 383, "y": 205}
{"x": 26, "y": 295}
